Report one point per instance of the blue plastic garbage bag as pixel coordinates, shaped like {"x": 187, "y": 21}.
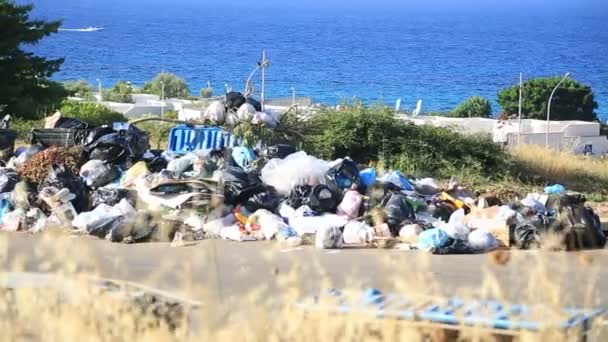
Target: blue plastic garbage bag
{"x": 555, "y": 189}
{"x": 433, "y": 238}
{"x": 243, "y": 156}
{"x": 398, "y": 179}
{"x": 368, "y": 177}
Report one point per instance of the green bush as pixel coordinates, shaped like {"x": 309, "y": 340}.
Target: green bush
{"x": 121, "y": 92}
{"x": 24, "y": 127}
{"x": 572, "y": 100}
{"x": 92, "y": 113}
{"x": 374, "y": 135}
{"x": 474, "y": 107}
{"x": 174, "y": 87}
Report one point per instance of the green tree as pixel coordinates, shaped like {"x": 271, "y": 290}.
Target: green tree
{"x": 174, "y": 86}
{"x": 80, "y": 88}
{"x": 572, "y": 100}
{"x": 92, "y": 113}
{"x": 474, "y": 107}
{"x": 121, "y": 92}
{"x": 25, "y": 88}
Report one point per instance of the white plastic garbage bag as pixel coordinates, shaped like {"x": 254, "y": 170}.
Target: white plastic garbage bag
{"x": 350, "y": 205}
{"x": 409, "y": 233}
{"x": 87, "y": 220}
{"x": 286, "y": 211}
{"x": 269, "y": 223}
{"x": 456, "y": 228}
{"x": 328, "y": 238}
{"x": 246, "y": 113}
{"x": 234, "y": 233}
{"x": 264, "y": 118}
{"x": 216, "y": 112}
{"x": 179, "y": 165}
{"x": 481, "y": 240}
{"x": 232, "y": 119}
{"x": 214, "y": 227}
{"x": 358, "y": 233}
{"x": 296, "y": 169}
{"x": 312, "y": 224}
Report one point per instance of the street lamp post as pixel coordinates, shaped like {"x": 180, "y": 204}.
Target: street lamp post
{"x": 99, "y": 87}
{"x": 162, "y": 98}
{"x": 549, "y": 107}
{"x": 293, "y": 96}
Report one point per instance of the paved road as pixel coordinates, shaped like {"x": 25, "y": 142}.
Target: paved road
{"x": 229, "y": 270}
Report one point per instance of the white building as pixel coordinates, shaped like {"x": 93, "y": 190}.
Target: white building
{"x": 145, "y": 104}
{"x": 563, "y": 135}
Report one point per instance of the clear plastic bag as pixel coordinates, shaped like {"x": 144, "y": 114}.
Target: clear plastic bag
{"x": 296, "y": 169}
{"x": 96, "y": 173}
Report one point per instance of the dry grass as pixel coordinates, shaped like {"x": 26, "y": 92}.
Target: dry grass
{"x": 267, "y": 313}
{"x": 580, "y": 173}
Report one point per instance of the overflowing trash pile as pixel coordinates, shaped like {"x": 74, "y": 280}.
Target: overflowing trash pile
{"x": 109, "y": 184}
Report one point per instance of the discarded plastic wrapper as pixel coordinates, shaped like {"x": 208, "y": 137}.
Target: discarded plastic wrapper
{"x": 295, "y": 169}
{"x": 409, "y": 233}
{"x": 482, "y": 240}
{"x": 268, "y": 223}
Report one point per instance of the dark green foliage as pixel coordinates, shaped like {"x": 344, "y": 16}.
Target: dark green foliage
{"x": 473, "y": 107}
{"x": 121, "y": 92}
{"x": 572, "y": 101}
{"x": 371, "y": 135}
{"x": 92, "y": 113}
{"x": 25, "y": 87}
{"x": 175, "y": 87}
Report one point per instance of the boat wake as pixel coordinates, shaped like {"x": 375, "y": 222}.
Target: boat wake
{"x": 86, "y": 29}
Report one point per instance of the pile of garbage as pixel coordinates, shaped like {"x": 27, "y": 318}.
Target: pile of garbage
{"x": 114, "y": 187}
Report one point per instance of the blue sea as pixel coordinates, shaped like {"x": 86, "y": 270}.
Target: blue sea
{"x": 330, "y": 55}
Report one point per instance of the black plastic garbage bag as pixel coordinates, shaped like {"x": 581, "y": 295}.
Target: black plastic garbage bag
{"x": 144, "y": 227}
{"x": 525, "y": 236}
{"x": 240, "y": 186}
{"x": 298, "y": 195}
{"x": 8, "y": 180}
{"x": 103, "y": 227}
{"x": 234, "y": 100}
{"x": 98, "y": 174}
{"x": 111, "y": 197}
{"x": 342, "y": 176}
{"x": 97, "y": 133}
{"x": 278, "y": 151}
{"x": 62, "y": 177}
{"x": 319, "y": 198}
{"x": 397, "y": 211}
{"x": 213, "y": 161}
{"x": 255, "y": 103}
{"x": 455, "y": 247}
{"x": 269, "y": 199}
{"x": 581, "y": 224}
{"x": 120, "y": 146}
{"x": 155, "y": 161}
{"x": 64, "y": 122}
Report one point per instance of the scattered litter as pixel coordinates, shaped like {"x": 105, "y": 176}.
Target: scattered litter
{"x": 109, "y": 184}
